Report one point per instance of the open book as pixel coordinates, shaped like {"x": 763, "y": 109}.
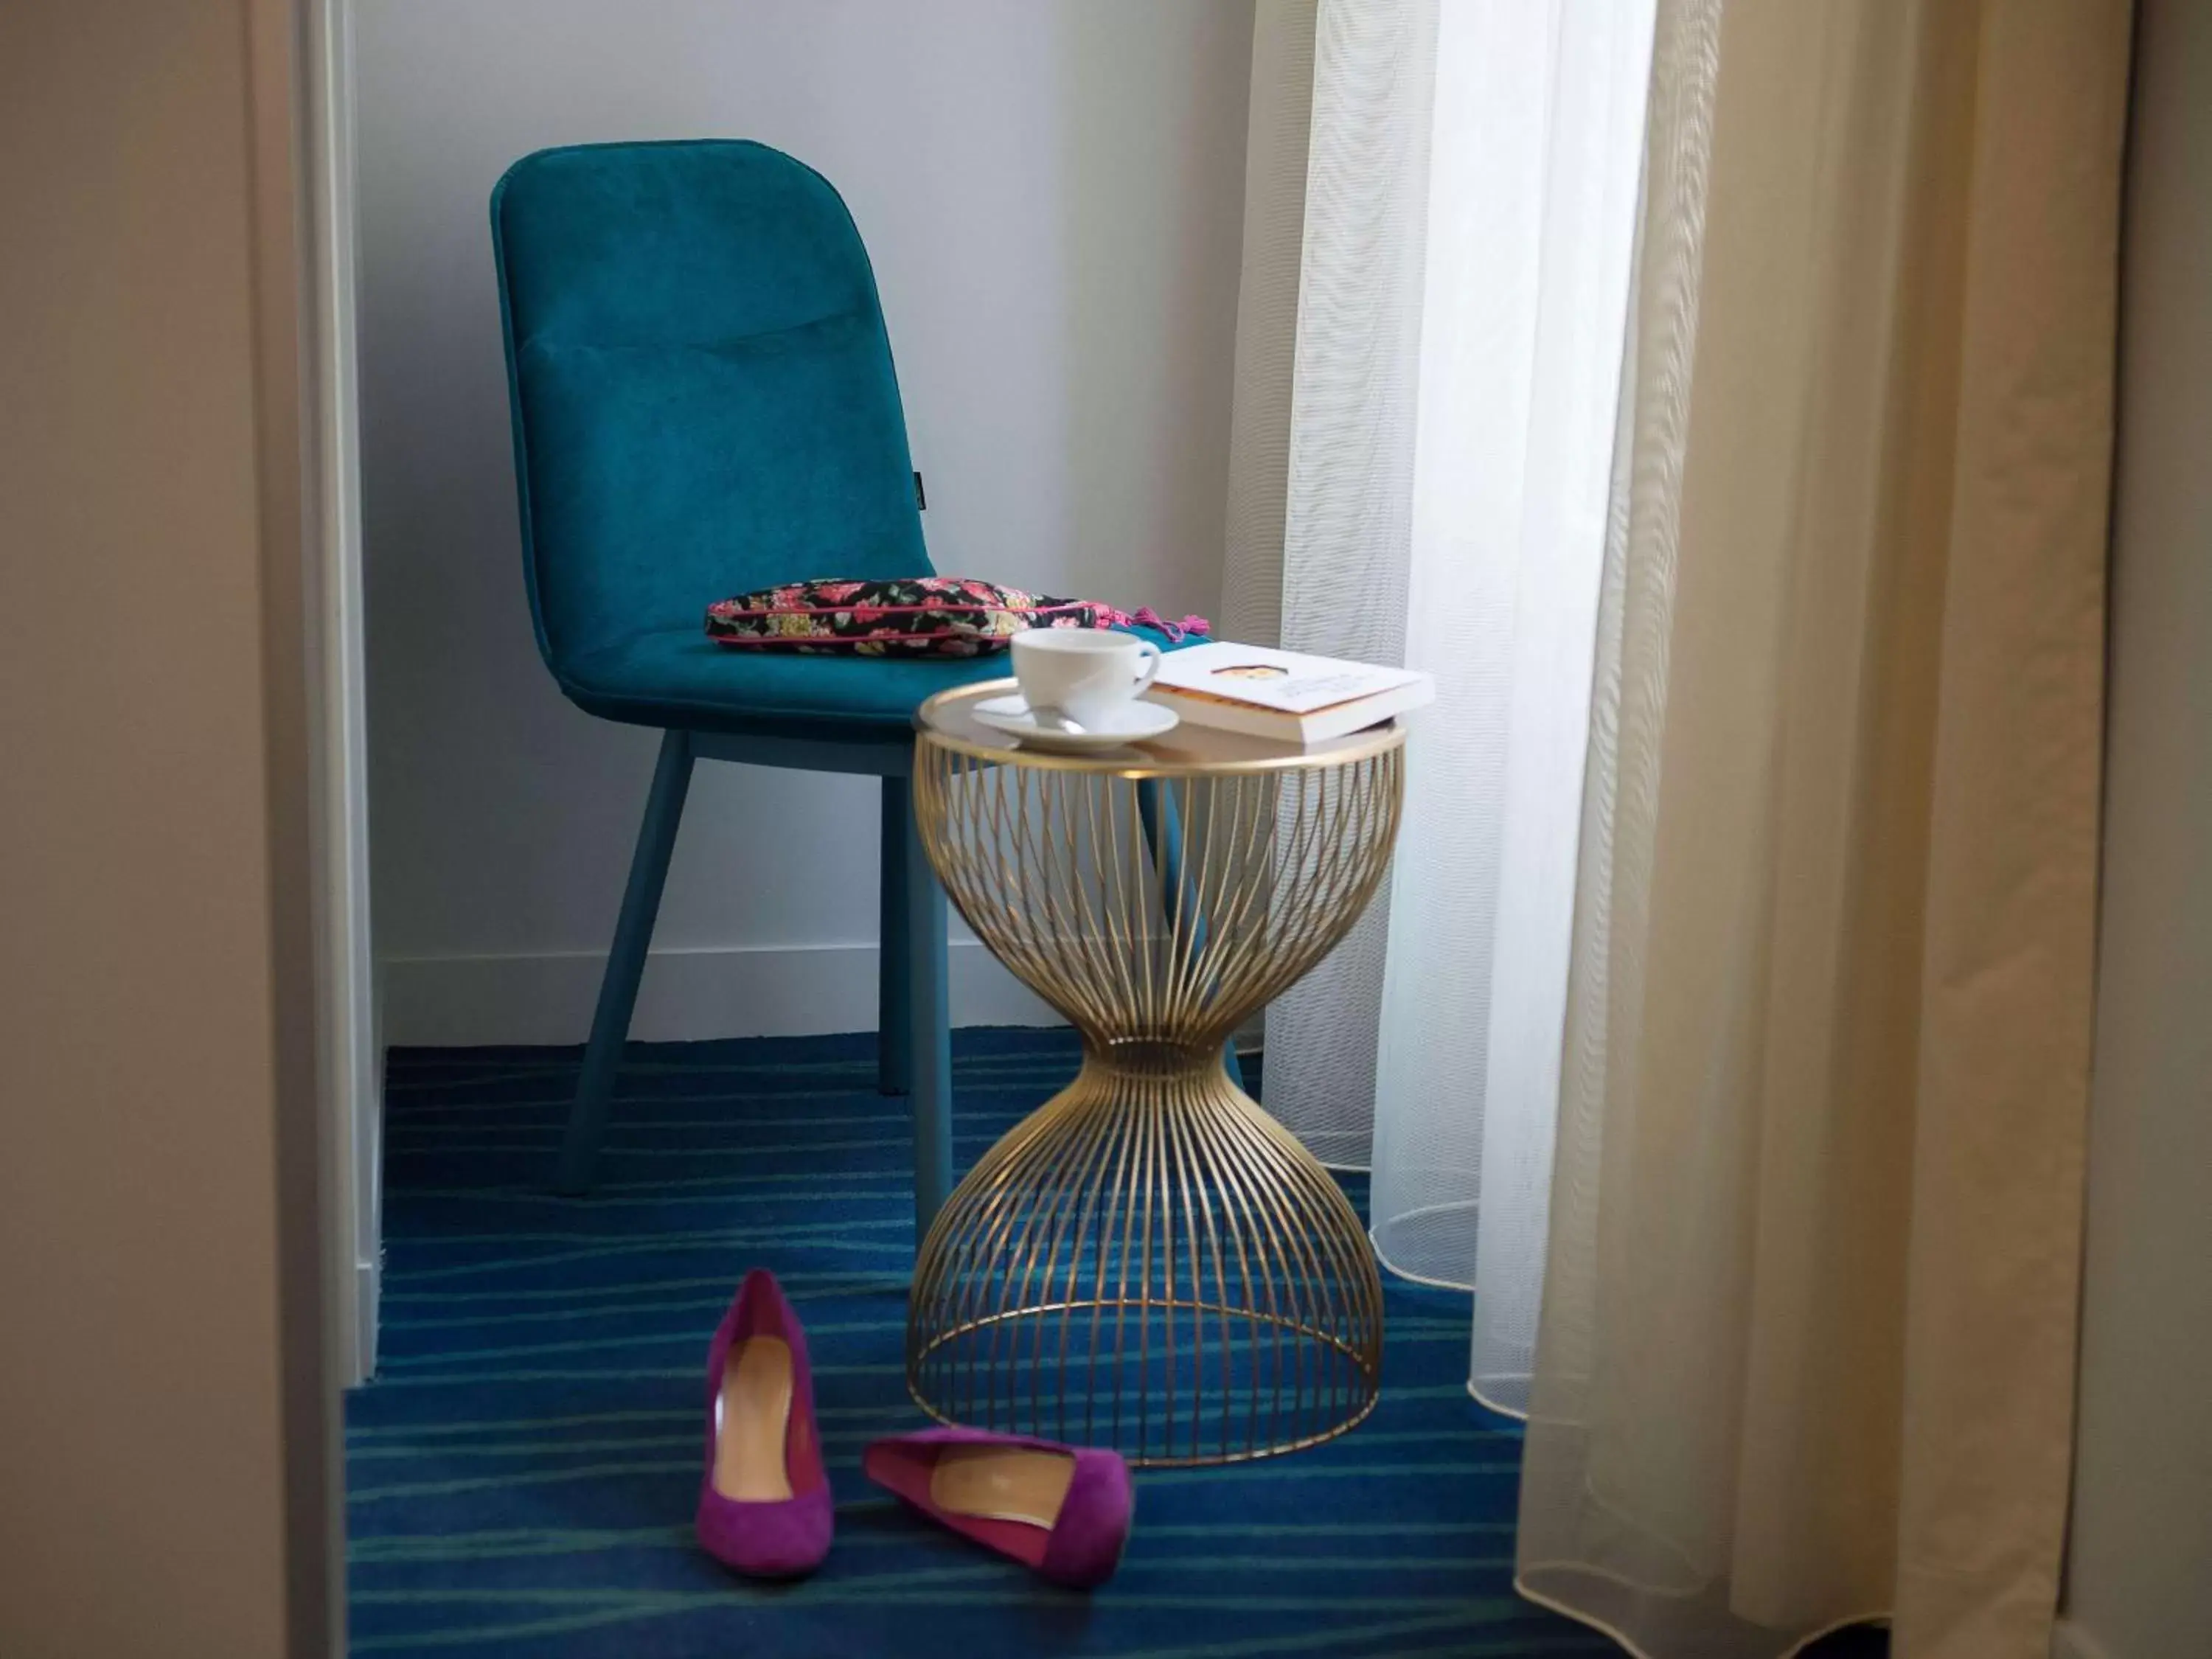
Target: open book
{"x": 1283, "y": 695}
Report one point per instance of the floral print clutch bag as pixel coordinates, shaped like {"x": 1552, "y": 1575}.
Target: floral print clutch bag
{"x": 910, "y": 617}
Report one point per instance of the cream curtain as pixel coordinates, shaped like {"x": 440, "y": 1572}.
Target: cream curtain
{"x": 1808, "y": 1237}
{"x": 1807, "y": 1332}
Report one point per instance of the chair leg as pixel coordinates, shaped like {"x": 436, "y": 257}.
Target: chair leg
{"x": 648, "y": 874}
{"x": 891, "y": 1068}
{"x": 929, "y": 1033}
{"x": 1163, "y": 832}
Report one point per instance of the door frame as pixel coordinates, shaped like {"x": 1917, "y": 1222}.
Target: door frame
{"x": 350, "y": 1061}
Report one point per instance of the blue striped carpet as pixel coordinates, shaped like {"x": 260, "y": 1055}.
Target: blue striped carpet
{"x": 522, "y": 1473}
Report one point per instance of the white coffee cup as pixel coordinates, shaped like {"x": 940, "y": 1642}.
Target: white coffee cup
{"x": 1087, "y": 674}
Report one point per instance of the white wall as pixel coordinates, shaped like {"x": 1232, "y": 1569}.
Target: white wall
{"x": 2139, "y": 1579}
{"x": 1051, "y": 193}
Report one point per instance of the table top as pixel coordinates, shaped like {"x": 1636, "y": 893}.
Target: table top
{"x": 948, "y": 720}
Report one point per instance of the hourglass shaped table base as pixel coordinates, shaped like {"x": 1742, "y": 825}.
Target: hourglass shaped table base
{"x": 1150, "y": 1261}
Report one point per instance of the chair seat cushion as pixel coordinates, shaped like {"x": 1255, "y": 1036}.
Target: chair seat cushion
{"x": 679, "y": 678}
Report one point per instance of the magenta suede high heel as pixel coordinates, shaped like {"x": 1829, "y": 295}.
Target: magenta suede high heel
{"x": 764, "y": 1505}
{"x": 1062, "y": 1511}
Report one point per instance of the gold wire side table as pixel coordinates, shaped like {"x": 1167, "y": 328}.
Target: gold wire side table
{"x": 1149, "y": 1262}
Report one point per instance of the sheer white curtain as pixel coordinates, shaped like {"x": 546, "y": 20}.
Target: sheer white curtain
{"x": 1424, "y": 477}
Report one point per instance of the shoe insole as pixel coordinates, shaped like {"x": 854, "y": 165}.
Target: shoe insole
{"x": 750, "y": 1420}
{"x": 1002, "y": 1483}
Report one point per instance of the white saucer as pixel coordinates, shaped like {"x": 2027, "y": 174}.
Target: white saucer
{"x": 1132, "y": 724}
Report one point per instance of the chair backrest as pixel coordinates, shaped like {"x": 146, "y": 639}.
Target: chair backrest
{"x": 701, "y": 386}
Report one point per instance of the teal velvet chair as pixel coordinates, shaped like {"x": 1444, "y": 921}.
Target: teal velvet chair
{"x": 703, "y": 402}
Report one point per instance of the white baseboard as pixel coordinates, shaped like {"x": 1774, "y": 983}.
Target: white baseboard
{"x": 2069, "y": 1641}
{"x": 687, "y": 995}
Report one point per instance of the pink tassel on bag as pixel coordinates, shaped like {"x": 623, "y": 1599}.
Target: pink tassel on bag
{"x": 1145, "y": 616}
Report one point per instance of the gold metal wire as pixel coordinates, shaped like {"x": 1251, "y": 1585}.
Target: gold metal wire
{"x": 1150, "y": 1261}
